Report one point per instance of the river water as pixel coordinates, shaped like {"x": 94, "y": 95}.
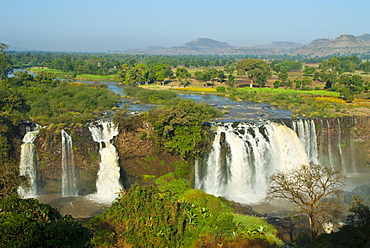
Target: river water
{"x": 234, "y": 111}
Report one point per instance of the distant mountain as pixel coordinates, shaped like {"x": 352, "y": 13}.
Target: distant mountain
{"x": 343, "y": 45}
{"x": 18, "y": 49}
{"x": 283, "y": 44}
{"x": 201, "y": 46}
{"x": 145, "y": 50}
{"x": 365, "y": 37}
{"x": 317, "y": 43}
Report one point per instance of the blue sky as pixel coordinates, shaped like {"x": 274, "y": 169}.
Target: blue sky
{"x": 99, "y": 26}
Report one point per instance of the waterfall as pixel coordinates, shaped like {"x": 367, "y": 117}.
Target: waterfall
{"x": 340, "y": 145}
{"x": 244, "y": 156}
{"x": 329, "y": 143}
{"x": 306, "y": 132}
{"x": 107, "y": 184}
{"x": 68, "y": 166}
{"x": 27, "y": 166}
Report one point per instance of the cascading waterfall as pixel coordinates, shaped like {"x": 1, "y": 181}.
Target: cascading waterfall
{"x": 107, "y": 184}
{"x": 306, "y": 132}
{"x": 329, "y": 143}
{"x": 244, "y": 156}
{"x": 27, "y": 166}
{"x": 340, "y": 144}
{"x": 68, "y": 166}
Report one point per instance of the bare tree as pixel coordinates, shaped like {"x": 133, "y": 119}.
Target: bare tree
{"x": 315, "y": 189}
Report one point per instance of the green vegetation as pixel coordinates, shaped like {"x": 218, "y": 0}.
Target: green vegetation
{"x": 257, "y": 70}
{"x": 28, "y": 223}
{"x": 45, "y": 99}
{"x": 150, "y": 96}
{"x": 181, "y": 126}
{"x": 296, "y": 101}
{"x": 6, "y": 64}
{"x": 174, "y": 215}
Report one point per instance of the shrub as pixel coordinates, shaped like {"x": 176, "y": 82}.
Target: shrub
{"x": 28, "y": 223}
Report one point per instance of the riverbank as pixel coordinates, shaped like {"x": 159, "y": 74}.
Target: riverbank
{"x": 83, "y": 77}
{"x": 329, "y": 101}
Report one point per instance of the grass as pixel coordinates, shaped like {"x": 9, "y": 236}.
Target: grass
{"x": 62, "y": 74}
{"x": 196, "y": 89}
{"x": 95, "y": 77}
{"x": 321, "y": 93}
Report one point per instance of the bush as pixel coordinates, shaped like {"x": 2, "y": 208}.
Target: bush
{"x": 181, "y": 125}
{"x": 220, "y": 89}
{"x": 28, "y": 223}
{"x": 167, "y": 217}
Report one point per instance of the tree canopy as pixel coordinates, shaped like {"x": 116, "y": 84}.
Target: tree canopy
{"x": 28, "y": 223}
{"x": 256, "y": 70}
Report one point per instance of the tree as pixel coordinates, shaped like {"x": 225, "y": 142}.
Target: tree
{"x": 314, "y": 189}
{"x": 161, "y": 72}
{"x": 283, "y": 75}
{"x": 182, "y": 74}
{"x": 309, "y": 70}
{"x": 330, "y": 69}
{"x": 6, "y": 64}
{"x": 365, "y": 67}
{"x": 181, "y": 125}
{"x": 256, "y": 70}
{"x": 350, "y": 86}
{"x": 28, "y": 223}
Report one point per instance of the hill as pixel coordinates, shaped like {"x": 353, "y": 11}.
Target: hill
{"x": 343, "y": 45}
{"x": 200, "y": 46}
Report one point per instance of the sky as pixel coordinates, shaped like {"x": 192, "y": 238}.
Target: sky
{"x": 110, "y": 25}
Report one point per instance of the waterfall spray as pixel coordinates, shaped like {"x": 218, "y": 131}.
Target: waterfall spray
{"x": 68, "y": 166}
{"x": 107, "y": 184}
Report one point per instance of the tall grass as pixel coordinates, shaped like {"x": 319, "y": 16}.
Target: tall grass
{"x": 290, "y": 91}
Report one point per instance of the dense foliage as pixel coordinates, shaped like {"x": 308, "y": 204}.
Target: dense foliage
{"x": 45, "y": 99}
{"x": 181, "y": 125}
{"x": 257, "y": 70}
{"x": 150, "y": 96}
{"x": 173, "y": 215}
{"x": 292, "y": 100}
{"x": 28, "y": 223}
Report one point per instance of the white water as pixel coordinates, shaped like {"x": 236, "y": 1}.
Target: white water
{"x": 68, "y": 166}
{"x": 238, "y": 168}
{"x": 340, "y": 145}
{"x": 27, "y": 166}
{"x": 107, "y": 184}
{"x": 307, "y": 134}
